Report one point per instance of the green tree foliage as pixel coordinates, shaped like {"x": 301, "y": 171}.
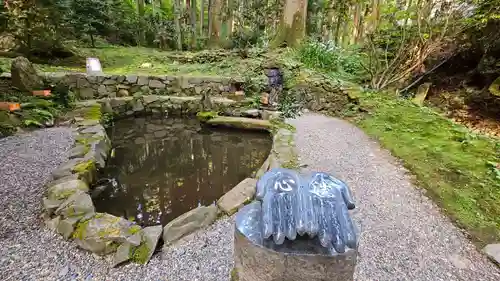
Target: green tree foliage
{"x": 89, "y": 17}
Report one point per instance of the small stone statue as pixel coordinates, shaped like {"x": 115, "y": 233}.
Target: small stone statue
{"x": 275, "y": 83}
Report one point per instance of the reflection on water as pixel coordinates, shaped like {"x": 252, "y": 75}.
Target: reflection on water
{"x": 163, "y": 168}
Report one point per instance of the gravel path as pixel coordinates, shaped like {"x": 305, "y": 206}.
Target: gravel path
{"x": 404, "y": 235}
{"x": 28, "y": 251}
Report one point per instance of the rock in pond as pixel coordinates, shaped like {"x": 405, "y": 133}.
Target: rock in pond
{"x": 103, "y": 233}
{"x": 241, "y": 123}
{"x": 236, "y": 197}
{"x": 188, "y": 223}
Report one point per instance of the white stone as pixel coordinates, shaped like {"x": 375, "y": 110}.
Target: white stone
{"x": 493, "y": 252}
{"x": 94, "y": 66}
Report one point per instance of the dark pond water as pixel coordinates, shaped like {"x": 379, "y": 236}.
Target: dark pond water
{"x": 162, "y": 168}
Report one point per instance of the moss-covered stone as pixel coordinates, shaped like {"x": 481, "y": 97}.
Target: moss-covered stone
{"x": 102, "y": 233}
{"x": 241, "y": 123}
{"x": 495, "y": 87}
{"x": 234, "y": 275}
{"x": 84, "y": 167}
{"x": 140, "y": 254}
{"x": 65, "y": 189}
{"x": 206, "y": 115}
{"x": 93, "y": 112}
{"x": 78, "y": 204}
{"x": 134, "y": 229}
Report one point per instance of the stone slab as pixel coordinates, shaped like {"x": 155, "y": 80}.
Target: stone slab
{"x": 230, "y": 202}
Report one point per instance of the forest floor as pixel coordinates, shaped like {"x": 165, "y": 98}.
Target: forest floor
{"x": 458, "y": 167}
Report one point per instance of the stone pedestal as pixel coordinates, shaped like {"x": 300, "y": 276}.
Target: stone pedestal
{"x": 298, "y": 260}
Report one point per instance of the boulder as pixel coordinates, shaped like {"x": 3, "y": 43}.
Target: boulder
{"x": 132, "y": 79}
{"x": 150, "y": 236}
{"x": 137, "y": 105}
{"x": 78, "y": 151}
{"x": 142, "y": 80}
{"x": 85, "y": 169}
{"x": 77, "y": 205}
{"x": 66, "y": 227}
{"x": 241, "y": 123}
{"x": 156, "y": 84}
{"x": 421, "y": 94}
{"x": 495, "y": 87}
{"x": 103, "y": 233}
{"x": 102, "y": 91}
{"x": 122, "y": 93}
{"x": 188, "y": 223}
{"x": 52, "y": 224}
{"x": 270, "y": 115}
{"x": 236, "y": 197}
{"x": 24, "y": 76}
{"x": 493, "y": 252}
{"x": 122, "y": 254}
{"x": 86, "y": 93}
{"x": 65, "y": 189}
{"x": 251, "y": 113}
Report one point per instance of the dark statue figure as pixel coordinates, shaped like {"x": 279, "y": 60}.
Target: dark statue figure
{"x": 293, "y": 207}
{"x": 275, "y": 83}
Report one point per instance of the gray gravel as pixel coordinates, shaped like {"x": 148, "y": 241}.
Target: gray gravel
{"x": 404, "y": 236}
{"x": 28, "y": 251}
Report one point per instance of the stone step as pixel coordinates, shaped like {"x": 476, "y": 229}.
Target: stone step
{"x": 241, "y": 123}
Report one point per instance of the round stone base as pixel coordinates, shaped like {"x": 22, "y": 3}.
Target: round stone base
{"x": 289, "y": 263}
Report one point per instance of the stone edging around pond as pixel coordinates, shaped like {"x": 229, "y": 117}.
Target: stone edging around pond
{"x": 68, "y": 205}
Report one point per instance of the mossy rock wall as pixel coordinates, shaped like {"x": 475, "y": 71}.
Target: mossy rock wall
{"x": 95, "y": 87}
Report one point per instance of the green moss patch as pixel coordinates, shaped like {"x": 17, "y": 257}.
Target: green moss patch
{"x": 457, "y": 167}
{"x": 80, "y": 229}
{"x": 84, "y": 167}
{"x": 140, "y": 254}
{"x": 206, "y": 115}
{"x": 93, "y": 112}
{"x": 134, "y": 229}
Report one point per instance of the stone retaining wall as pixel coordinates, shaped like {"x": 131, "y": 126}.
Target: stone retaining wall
{"x": 95, "y": 87}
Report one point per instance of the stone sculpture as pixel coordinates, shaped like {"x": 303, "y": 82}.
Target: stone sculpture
{"x": 275, "y": 83}
{"x": 300, "y": 220}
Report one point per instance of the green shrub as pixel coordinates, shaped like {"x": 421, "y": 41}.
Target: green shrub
{"x": 347, "y": 63}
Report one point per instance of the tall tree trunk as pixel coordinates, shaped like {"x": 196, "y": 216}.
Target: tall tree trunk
{"x": 230, "y": 17}
{"x": 192, "y": 16}
{"x": 140, "y": 11}
{"x": 356, "y": 23}
{"x": 177, "y": 19}
{"x": 210, "y": 11}
{"x": 329, "y": 29}
{"x": 345, "y": 28}
{"x": 215, "y": 22}
{"x": 362, "y": 23}
{"x": 202, "y": 16}
{"x": 293, "y": 24}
